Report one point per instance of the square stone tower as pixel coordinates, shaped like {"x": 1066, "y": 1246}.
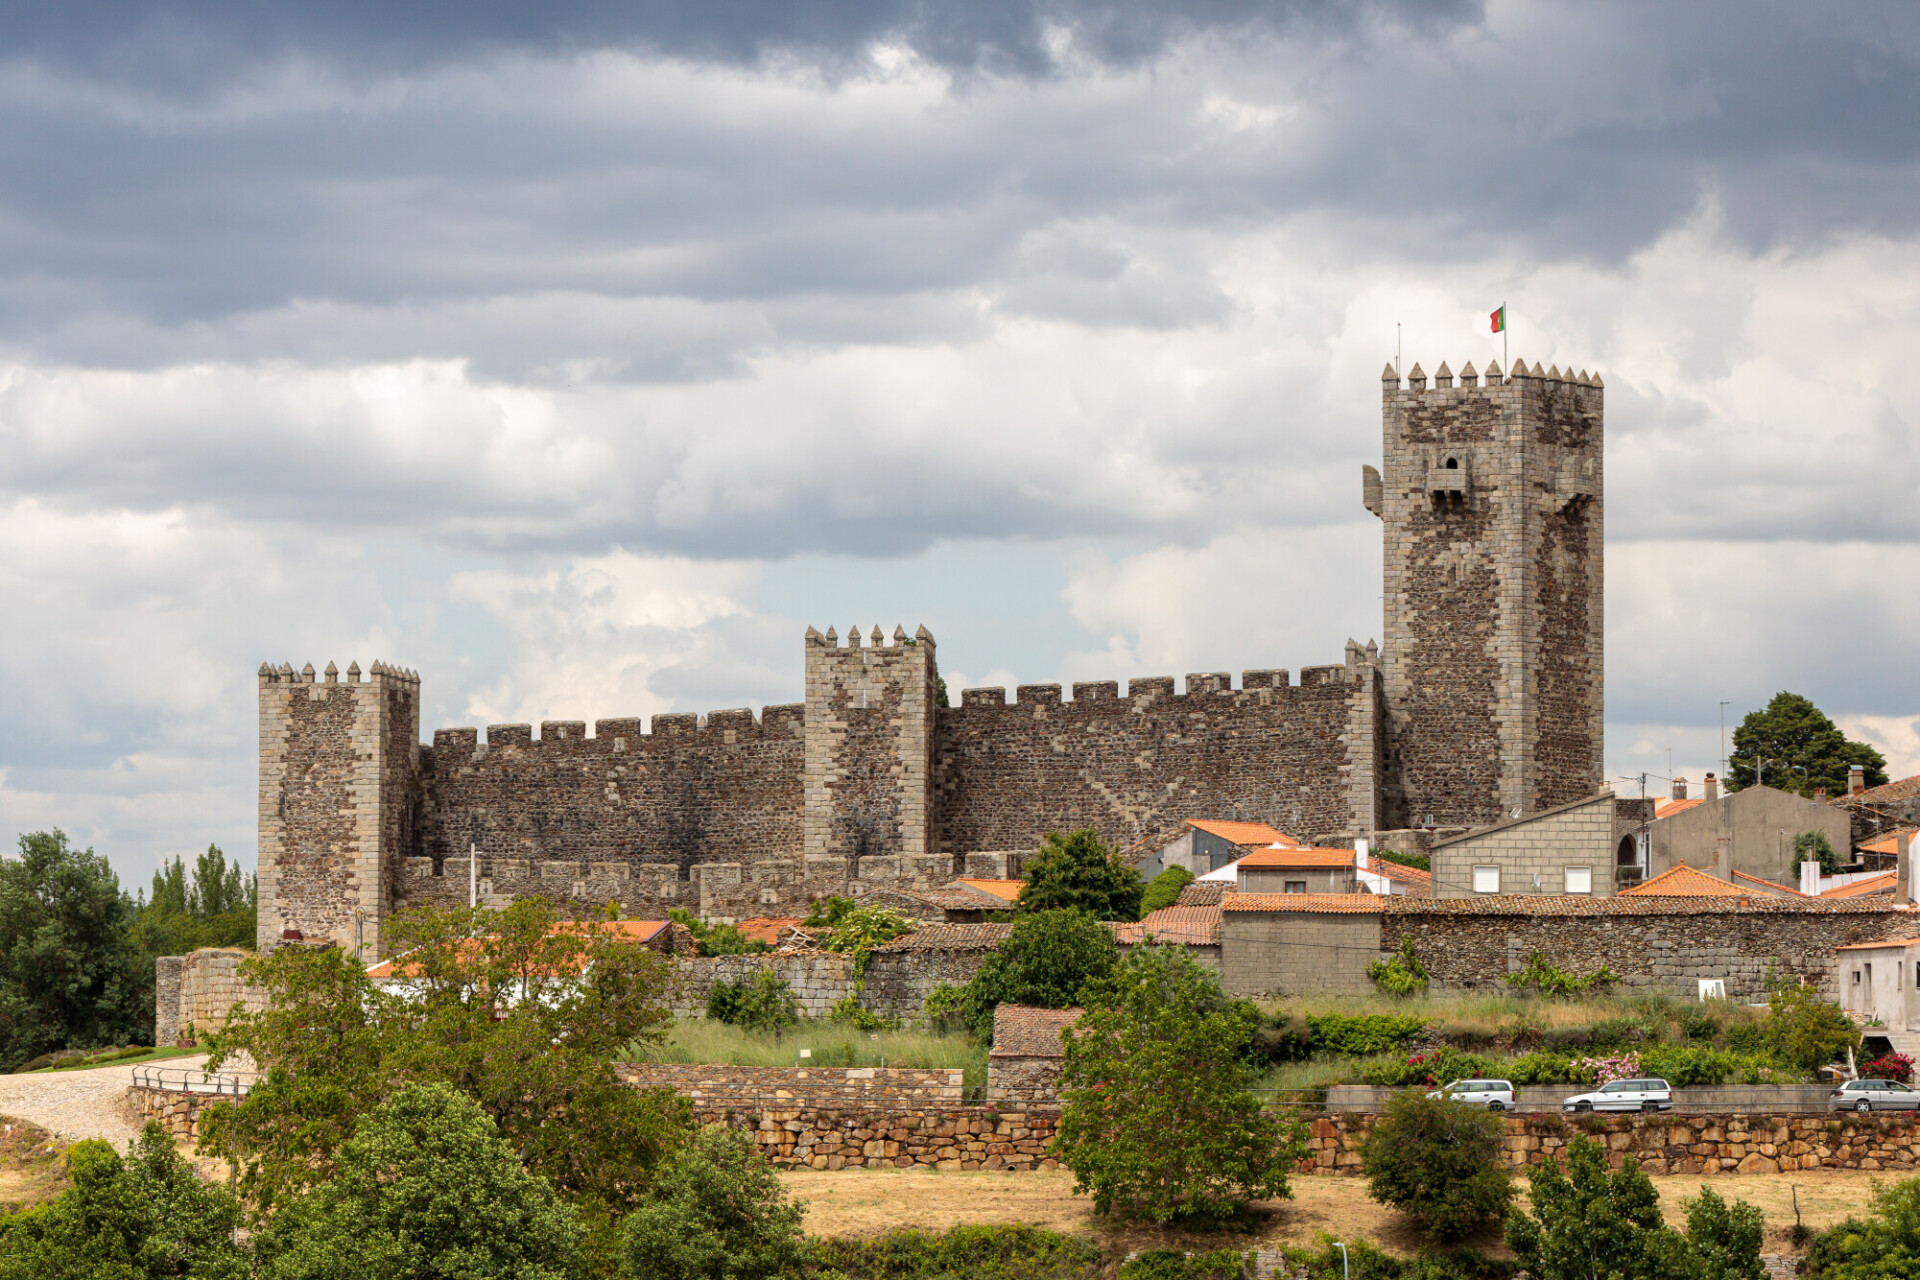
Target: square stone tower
{"x": 1491, "y": 504}
{"x": 869, "y": 745}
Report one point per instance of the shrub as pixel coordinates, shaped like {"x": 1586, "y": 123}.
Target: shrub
{"x": 1160, "y": 1121}
{"x": 976, "y": 1253}
{"x": 1400, "y": 974}
{"x": 1283, "y": 1039}
{"x": 1687, "y": 1066}
{"x": 1046, "y": 959}
{"x": 1624, "y": 1066}
{"x": 1430, "y": 1069}
{"x": 1535, "y": 1068}
{"x": 145, "y": 1215}
{"x": 427, "y": 1187}
{"x": 857, "y": 930}
{"x": 716, "y": 939}
{"x": 848, "y": 1011}
{"x": 1544, "y": 977}
{"x": 947, "y": 1007}
{"x": 1079, "y": 871}
{"x": 1806, "y": 1031}
{"x": 1884, "y": 1245}
{"x": 1168, "y": 1264}
{"x": 1439, "y": 1162}
{"x": 1813, "y": 846}
{"x": 1892, "y": 1066}
{"x": 1747, "y": 1037}
{"x": 718, "y": 1212}
{"x": 1698, "y": 1024}
{"x": 1164, "y": 890}
{"x": 1364, "y": 1034}
{"x": 764, "y": 1003}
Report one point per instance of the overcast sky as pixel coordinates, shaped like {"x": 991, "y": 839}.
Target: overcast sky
{"x": 581, "y": 354}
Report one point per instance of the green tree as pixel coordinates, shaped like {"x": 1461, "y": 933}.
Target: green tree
{"x": 1165, "y": 889}
{"x": 718, "y": 1212}
{"x": 213, "y": 905}
{"x": 1439, "y": 1162}
{"x": 857, "y": 930}
{"x": 1585, "y": 1222}
{"x": 515, "y": 1009}
{"x": 68, "y": 979}
{"x": 1045, "y": 961}
{"x": 1400, "y": 974}
{"x": 144, "y": 1215}
{"x": 427, "y": 1188}
{"x": 1418, "y": 861}
{"x": 1813, "y": 846}
{"x": 1079, "y": 870}
{"x": 1805, "y": 1030}
{"x": 763, "y": 1003}
{"x": 1160, "y": 1119}
{"x": 716, "y": 939}
{"x": 1774, "y": 746}
{"x": 1881, "y": 1247}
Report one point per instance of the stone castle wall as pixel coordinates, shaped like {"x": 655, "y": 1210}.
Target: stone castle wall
{"x": 1007, "y": 773}
{"x": 195, "y": 993}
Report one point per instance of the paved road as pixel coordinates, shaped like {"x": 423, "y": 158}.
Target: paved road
{"x": 79, "y": 1104}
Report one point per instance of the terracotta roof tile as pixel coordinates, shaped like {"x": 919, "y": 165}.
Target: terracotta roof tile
{"x": 1189, "y": 926}
{"x": 1891, "y": 842}
{"x": 1900, "y": 789}
{"x": 1865, "y": 888}
{"x": 1503, "y": 904}
{"x": 630, "y": 930}
{"x": 1202, "y": 893}
{"x": 1395, "y": 871}
{"x": 1282, "y": 858}
{"x": 1006, "y": 890}
{"x": 1682, "y": 882}
{"x": 1242, "y": 832}
{"x": 950, "y": 937}
{"x": 1337, "y": 903}
{"x": 1771, "y": 884}
{"x": 1024, "y": 1031}
{"x": 1667, "y": 808}
{"x": 1870, "y": 946}
{"x": 767, "y": 928}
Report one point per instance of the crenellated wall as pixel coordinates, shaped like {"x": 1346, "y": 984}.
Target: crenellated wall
{"x": 1302, "y": 757}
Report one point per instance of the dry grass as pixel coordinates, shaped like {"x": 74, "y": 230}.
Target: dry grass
{"x": 32, "y": 1165}
{"x": 698, "y": 1040}
{"x": 867, "y": 1202}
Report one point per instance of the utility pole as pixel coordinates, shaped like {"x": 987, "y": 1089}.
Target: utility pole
{"x": 1723, "y": 739}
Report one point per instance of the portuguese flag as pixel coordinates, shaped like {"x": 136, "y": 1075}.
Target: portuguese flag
{"x": 1499, "y": 318}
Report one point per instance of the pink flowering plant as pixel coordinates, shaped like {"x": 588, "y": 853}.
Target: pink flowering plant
{"x": 1624, "y": 1066}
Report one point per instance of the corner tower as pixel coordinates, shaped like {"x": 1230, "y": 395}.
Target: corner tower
{"x": 338, "y": 763}
{"x": 1491, "y": 502}
{"x": 869, "y": 745}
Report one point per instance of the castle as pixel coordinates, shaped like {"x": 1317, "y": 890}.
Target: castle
{"x": 1485, "y": 702}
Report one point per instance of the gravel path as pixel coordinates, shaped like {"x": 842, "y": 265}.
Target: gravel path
{"x": 79, "y": 1104}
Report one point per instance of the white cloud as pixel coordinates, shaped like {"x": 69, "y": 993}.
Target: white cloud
{"x": 1897, "y": 737}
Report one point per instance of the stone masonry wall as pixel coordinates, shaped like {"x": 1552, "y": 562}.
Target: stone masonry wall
{"x": 166, "y": 1000}
{"x": 1668, "y": 947}
{"x": 209, "y": 986}
{"x": 899, "y": 982}
{"x": 1693, "y": 1144}
{"x": 1013, "y": 1079}
{"x": 819, "y": 979}
{"x": 715, "y": 1087}
{"x": 1299, "y": 756}
{"x": 1533, "y": 854}
{"x": 869, "y": 736}
{"x": 179, "y": 1113}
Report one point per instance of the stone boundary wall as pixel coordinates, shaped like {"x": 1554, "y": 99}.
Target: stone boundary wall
{"x": 1755, "y": 1099}
{"x": 1683, "y": 1144}
{"x": 178, "y": 1111}
{"x": 198, "y": 991}
{"x": 819, "y": 979}
{"x": 933, "y": 1136}
{"x": 166, "y": 999}
{"x": 715, "y": 1086}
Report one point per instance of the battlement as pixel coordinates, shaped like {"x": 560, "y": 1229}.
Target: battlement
{"x": 615, "y": 735}
{"x": 1444, "y": 379}
{"x": 1142, "y": 690}
{"x": 901, "y": 640}
{"x": 285, "y": 674}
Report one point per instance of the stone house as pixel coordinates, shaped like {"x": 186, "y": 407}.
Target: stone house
{"x": 1276, "y": 944}
{"x": 1297, "y": 871}
{"x": 1568, "y": 849}
{"x": 1025, "y": 1062}
{"x": 1195, "y": 928}
{"x": 1202, "y": 845}
{"x": 1880, "y": 981}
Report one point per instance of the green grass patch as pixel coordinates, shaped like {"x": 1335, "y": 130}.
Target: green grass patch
{"x": 114, "y": 1058}
{"x": 703, "y": 1040}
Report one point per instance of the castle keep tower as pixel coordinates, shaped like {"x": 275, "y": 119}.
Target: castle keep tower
{"x": 337, "y": 770}
{"x": 869, "y": 745}
{"x": 1491, "y": 506}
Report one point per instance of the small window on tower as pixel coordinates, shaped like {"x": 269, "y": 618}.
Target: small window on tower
{"x": 1453, "y": 464}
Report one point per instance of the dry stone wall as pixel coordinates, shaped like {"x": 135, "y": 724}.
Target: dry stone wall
{"x": 818, "y": 979}
{"x": 717, "y": 1086}
{"x": 195, "y": 993}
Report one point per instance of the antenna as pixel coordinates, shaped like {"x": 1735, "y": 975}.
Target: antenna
{"x": 1396, "y": 348}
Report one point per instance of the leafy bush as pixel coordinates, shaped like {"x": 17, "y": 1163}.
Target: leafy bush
{"x": 1747, "y": 1037}
{"x": 1687, "y": 1066}
{"x": 1806, "y": 1031}
{"x": 1160, "y": 1121}
{"x": 1813, "y": 846}
{"x": 1418, "y": 861}
{"x": 1892, "y": 1066}
{"x": 1366, "y": 1261}
{"x": 1079, "y": 871}
{"x": 144, "y": 1215}
{"x": 1585, "y": 1222}
{"x": 1168, "y": 1264}
{"x": 1400, "y": 974}
{"x": 1047, "y": 958}
{"x": 1439, "y": 1162}
{"x": 1282, "y": 1039}
{"x": 1362, "y": 1034}
{"x": 1534, "y": 1068}
{"x": 716, "y": 939}
{"x": 1430, "y": 1069}
{"x": 964, "y": 1253}
{"x": 1543, "y": 976}
{"x": 1876, "y": 1248}
{"x": 718, "y": 1212}
{"x": 946, "y": 1007}
{"x": 1164, "y": 890}
{"x": 765, "y": 1003}
{"x": 848, "y": 1011}
{"x": 427, "y": 1187}
{"x": 1698, "y": 1024}
{"x": 1606, "y": 1070}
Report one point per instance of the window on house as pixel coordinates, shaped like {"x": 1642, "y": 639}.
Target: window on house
{"x": 1486, "y": 879}
{"x": 1869, "y": 969}
{"x": 1856, "y": 977}
{"x": 1296, "y": 886}
{"x": 1579, "y": 879}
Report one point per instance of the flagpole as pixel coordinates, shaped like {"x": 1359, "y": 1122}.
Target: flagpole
{"x": 1503, "y": 338}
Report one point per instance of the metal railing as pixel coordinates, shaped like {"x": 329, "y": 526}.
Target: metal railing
{"x": 193, "y": 1080}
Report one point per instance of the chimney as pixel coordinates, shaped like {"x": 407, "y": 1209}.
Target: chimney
{"x": 1903, "y": 862}
{"x": 1360, "y": 853}
{"x": 1711, "y": 788}
{"x": 1679, "y": 788}
{"x": 1856, "y": 779}
{"x": 1819, "y": 795}
{"x": 1810, "y": 877}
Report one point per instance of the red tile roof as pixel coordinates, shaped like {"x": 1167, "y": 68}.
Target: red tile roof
{"x": 1869, "y": 946}
{"x": 1682, "y": 882}
{"x": 1025, "y": 1031}
{"x": 630, "y": 930}
{"x": 1890, "y": 842}
{"x": 1865, "y": 888}
{"x": 1667, "y": 808}
{"x": 1771, "y": 884}
{"x": 1900, "y": 789}
{"x": 950, "y": 937}
{"x": 1189, "y": 926}
{"x": 1546, "y": 906}
{"x": 1203, "y": 893}
{"x": 1395, "y": 871}
{"x": 1006, "y": 890}
{"x": 1266, "y": 859}
{"x": 1318, "y": 903}
{"x": 1242, "y": 832}
{"x": 767, "y": 928}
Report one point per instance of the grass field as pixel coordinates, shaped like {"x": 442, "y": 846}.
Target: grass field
{"x": 832, "y": 1045}
{"x": 31, "y": 1171}
{"x": 156, "y": 1055}
{"x": 1494, "y": 1016}
{"x": 870, "y": 1201}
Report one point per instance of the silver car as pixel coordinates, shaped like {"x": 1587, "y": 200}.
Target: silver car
{"x": 1624, "y": 1095}
{"x": 1874, "y": 1095}
{"x": 1494, "y": 1095}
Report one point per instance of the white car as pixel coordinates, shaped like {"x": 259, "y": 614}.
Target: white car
{"x": 1624, "y": 1095}
{"x": 1873, "y": 1095}
{"x": 1494, "y": 1095}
